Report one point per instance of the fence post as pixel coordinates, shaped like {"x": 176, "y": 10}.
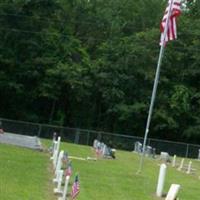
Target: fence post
{"x": 99, "y": 136}
{"x": 187, "y": 151}
{"x": 76, "y": 139}
{"x": 88, "y": 137}
{"x": 40, "y": 130}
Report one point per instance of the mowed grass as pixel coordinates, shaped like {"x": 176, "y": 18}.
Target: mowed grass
{"x": 117, "y": 179}
{"x": 26, "y": 175}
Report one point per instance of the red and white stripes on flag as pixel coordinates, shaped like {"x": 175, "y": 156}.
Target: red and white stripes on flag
{"x": 75, "y": 188}
{"x": 173, "y": 13}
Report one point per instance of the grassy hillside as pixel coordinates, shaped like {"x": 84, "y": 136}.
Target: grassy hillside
{"x": 26, "y": 175}
{"x": 117, "y": 179}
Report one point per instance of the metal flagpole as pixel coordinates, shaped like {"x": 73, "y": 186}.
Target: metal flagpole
{"x": 155, "y": 88}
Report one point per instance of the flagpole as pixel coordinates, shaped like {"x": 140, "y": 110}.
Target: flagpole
{"x": 154, "y": 88}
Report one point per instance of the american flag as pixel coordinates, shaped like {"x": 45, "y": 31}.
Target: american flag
{"x": 68, "y": 171}
{"x": 173, "y": 13}
{"x": 75, "y": 188}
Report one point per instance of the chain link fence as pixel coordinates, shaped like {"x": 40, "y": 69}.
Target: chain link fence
{"x": 86, "y": 137}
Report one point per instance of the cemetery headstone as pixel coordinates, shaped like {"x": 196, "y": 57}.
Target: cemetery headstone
{"x": 109, "y": 153}
{"x": 95, "y": 144}
{"x": 154, "y": 152}
{"x": 181, "y": 165}
{"x": 148, "y": 151}
{"x": 54, "y": 147}
{"x": 31, "y": 142}
{"x": 174, "y": 161}
{"x": 173, "y": 191}
{"x": 65, "y": 189}
{"x": 138, "y": 147}
{"x": 104, "y": 149}
{"x": 98, "y": 149}
{"x": 59, "y": 162}
{"x": 164, "y": 156}
{"x": 58, "y": 189}
{"x": 189, "y": 167}
{"x": 161, "y": 180}
{"x": 54, "y": 136}
{"x": 55, "y": 159}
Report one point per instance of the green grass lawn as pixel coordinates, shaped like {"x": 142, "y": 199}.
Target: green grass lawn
{"x": 26, "y": 175}
{"x": 117, "y": 179}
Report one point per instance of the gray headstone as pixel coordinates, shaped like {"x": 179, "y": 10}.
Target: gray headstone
{"x": 32, "y": 142}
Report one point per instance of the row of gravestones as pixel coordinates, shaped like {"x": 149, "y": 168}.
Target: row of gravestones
{"x": 164, "y": 156}
{"x": 181, "y": 167}
{"x": 62, "y": 170}
{"x": 172, "y": 194}
{"x": 103, "y": 150}
{"x": 149, "y": 151}
{"x": 174, "y": 188}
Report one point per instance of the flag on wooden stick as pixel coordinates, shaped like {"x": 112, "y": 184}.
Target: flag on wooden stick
{"x": 173, "y": 10}
{"x": 68, "y": 171}
{"x": 75, "y": 188}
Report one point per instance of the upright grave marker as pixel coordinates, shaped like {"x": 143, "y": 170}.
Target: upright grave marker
{"x": 161, "y": 180}
{"x": 138, "y": 147}
{"x": 189, "y": 167}
{"x": 65, "y": 189}
{"x": 58, "y": 189}
{"x": 181, "y": 165}
{"x": 174, "y": 161}
{"x": 59, "y": 162}
{"x": 164, "y": 156}
{"x": 173, "y": 191}
{"x": 55, "y": 143}
{"x": 55, "y": 158}
{"x": 148, "y": 151}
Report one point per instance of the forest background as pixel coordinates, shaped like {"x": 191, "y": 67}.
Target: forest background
{"x": 91, "y": 64}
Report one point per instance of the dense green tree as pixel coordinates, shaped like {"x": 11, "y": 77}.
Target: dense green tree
{"x": 91, "y": 64}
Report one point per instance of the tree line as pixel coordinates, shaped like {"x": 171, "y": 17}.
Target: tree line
{"x": 91, "y": 64}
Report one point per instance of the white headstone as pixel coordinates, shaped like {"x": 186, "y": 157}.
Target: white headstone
{"x": 181, "y": 165}
{"x": 58, "y": 190}
{"x": 148, "y": 151}
{"x": 65, "y": 189}
{"x": 161, "y": 180}
{"x": 199, "y": 155}
{"x": 56, "y": 179}
{"x": 173, "y": 191}
{"x": 95, "y": 144}
{"x": 174, "y": 161}
{"x": 164, "y": 156}
{"x": 189, "y": 167}
{"x": 55, "y": 159}
{"x": 54, "y": 149}
{"x": 138, "y": 147}
{"x": 59, "y": 163}
{"x": 104, "y": 151}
